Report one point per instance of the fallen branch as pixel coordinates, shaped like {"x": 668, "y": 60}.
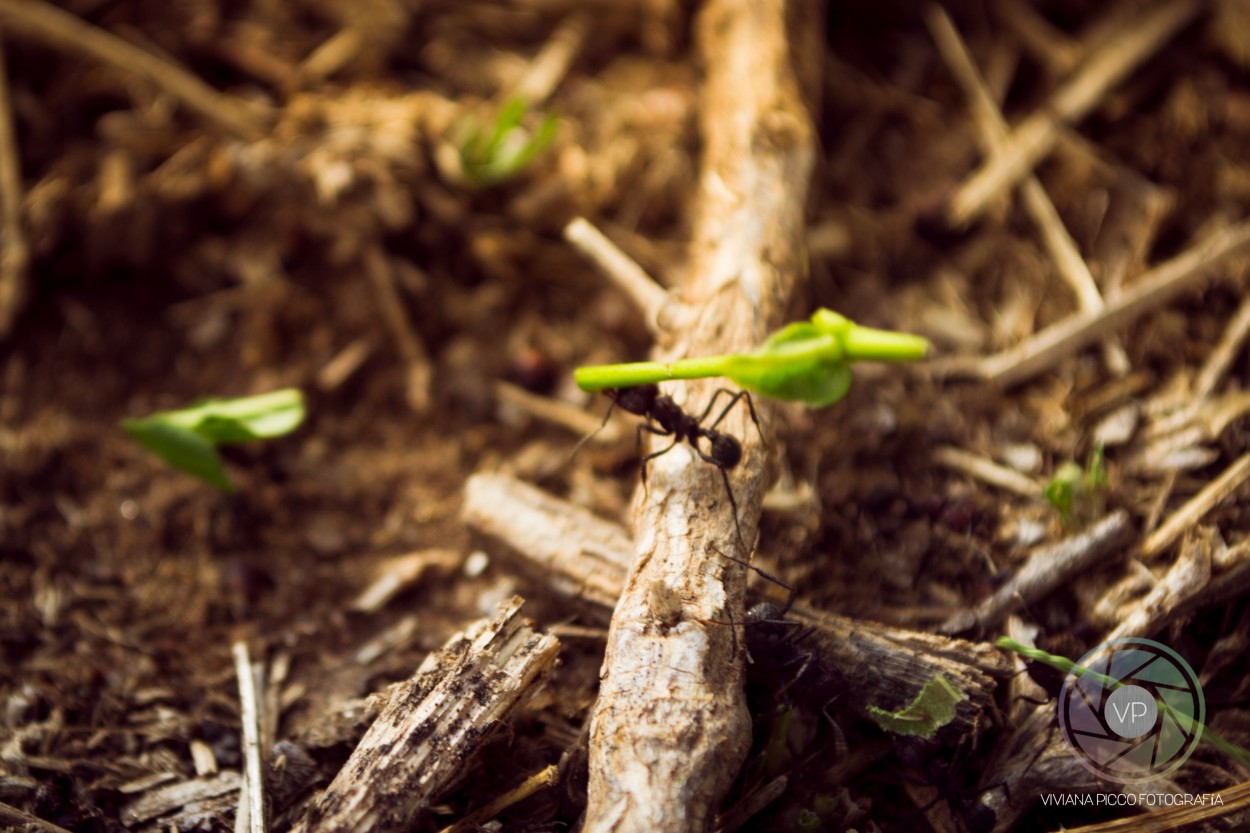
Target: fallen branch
{"x": 874, "y": 664}
{"x": 1047, "y": 568}
{"x": 670, "y": 727}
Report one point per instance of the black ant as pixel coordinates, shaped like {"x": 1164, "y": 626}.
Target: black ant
{"x": 665, "y": 418}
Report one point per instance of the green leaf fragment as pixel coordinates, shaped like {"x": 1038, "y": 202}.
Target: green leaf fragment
{"x": 181, "y": 448}
{"x": 187, "y": 438}
{"x": 933, "y": 708}
{"x": 807, "y": 821}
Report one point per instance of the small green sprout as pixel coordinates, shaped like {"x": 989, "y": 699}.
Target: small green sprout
{"x": 500, "y": 151}
{"x": 808, "y": 820}
{"x": 1079, "y": 493}
{"x": 932, "y": 709}
{"x": 806, "y": 361}
{"x": 188, "y": 439}
{"x": 1067, "y": 666}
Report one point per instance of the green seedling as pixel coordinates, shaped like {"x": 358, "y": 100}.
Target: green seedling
{"x": 932, "y": 709}
{"x": 496, "y": 153}
{"x": 1067, "y": 666}
{"x": 806, "y": 361}
{"x": 1079, "y": 493}
{"x": 188, "y": 439}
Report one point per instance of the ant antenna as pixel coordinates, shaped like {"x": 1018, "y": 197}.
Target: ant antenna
{"x": 591, "y": 435}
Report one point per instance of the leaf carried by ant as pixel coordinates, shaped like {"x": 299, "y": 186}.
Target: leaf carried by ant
{"x": 807, "y": 361}
{"x": 798, "y": 363}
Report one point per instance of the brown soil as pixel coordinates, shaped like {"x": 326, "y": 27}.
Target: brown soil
{"x": 173, "y": 261}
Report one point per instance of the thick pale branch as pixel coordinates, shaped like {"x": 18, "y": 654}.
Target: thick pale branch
{"x": 670, "y": 727}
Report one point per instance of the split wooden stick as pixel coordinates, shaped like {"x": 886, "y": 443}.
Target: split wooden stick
{"x": 433, "y": 723}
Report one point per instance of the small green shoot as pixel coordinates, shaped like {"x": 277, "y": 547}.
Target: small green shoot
{"x": 806, "y": 361}
{"x": 1067, "y": 666}
{"x": 808, "y": 820}
{"x": 1079, "y": 494}
{"x": 501, "y": 150}
{"x": 932, "y": 709}
{"x": 188, "y": 439}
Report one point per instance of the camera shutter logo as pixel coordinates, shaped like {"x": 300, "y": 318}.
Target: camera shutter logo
{"x": 1132, "y": 710}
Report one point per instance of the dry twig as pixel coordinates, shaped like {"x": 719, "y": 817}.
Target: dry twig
{"x": 1188, "y": 575}
{"x": 576, "y": 553}
{"x": 186, "y": 795}
{"x": 62, "y": 30}
{"x": 987, "y": 471}
{"x": 547, "y": 778}
{"x": 252, "y": 796}
{"x": 555, "y": 411}
{"x": 391, "y": 306}
{"x": 992, "y": 129}
{"x": 1034, "y": 138}
{"x": 547, "y": 69}
{"x": 25, "y": 821}
{"x": 14, "y": 253}
{"x": 1046, "y": 569}
{"x": 650, "y": 297}
{"x": 1044, "y": 349}
{"x": 1199, "y": 505}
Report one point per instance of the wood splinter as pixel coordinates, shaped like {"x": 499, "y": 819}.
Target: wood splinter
{"x": 435, "y": 721}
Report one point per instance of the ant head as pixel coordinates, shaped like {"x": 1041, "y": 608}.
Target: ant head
{"x": 637, "y": 400}
{"x": 726, "y": 450}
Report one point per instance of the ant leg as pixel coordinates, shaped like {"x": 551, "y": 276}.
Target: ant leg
{"x": 805, "y": 662}
{"x": 651, "y": 429}
{"x": 791, "y": 592}
{"x": 733, "y": 400}
{"x": 733, "y": 504}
